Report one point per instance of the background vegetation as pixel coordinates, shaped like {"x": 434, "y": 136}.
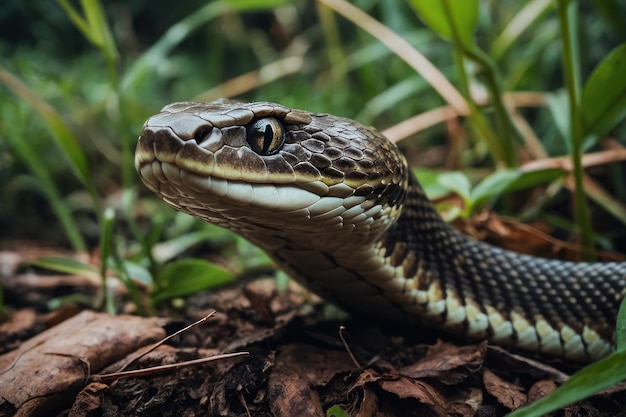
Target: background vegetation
{"x": 298, "y": 53}
{"x": 79, "y": 79}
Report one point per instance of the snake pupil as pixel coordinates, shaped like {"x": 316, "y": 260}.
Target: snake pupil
{"x": 266, "y": 136}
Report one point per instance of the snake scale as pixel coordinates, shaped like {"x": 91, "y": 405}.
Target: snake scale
{"x": 335, "y": 205}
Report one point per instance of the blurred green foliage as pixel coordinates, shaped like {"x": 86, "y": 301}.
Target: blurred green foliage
{"x": 79, "y": 78}
{"x": 336, "y": 68}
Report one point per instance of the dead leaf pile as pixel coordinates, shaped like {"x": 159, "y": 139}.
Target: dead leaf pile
{"x": 297, "y": 365}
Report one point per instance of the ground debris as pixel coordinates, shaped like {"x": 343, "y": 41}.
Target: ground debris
{"x": 297, "y": 364}
{"x": 48, "y": 370}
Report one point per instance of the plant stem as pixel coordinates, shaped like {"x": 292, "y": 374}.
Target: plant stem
{"x": 502, "y": 148}
{"x": 568, "y": 15}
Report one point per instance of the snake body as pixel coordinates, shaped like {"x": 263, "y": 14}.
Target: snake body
{"x": 335, "y": 205}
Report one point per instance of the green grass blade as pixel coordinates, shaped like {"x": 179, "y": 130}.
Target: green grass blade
{"x": 250, "y": 5}
{"x": 100, "y": 30}
{"x": 604, "y": 95}
{"x": 522, "y": 21}
{"x": 509, "y": 180}
{"x": 620, "y": 328}
{"x": 568, "y": 21}
{"x": 77, "y": 19}
{"x": 106, "y": 242}
{"x": 93, "y": 26}
{"x": 154, "y": 56}
{"x": 67, "y": 266}
{"x": 586, "y": 382}
{"x": 44, "y": 181}
{"x": 60, "y": 131}
{"x": 464, "y": 13}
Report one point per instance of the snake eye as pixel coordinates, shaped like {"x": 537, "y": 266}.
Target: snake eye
{"x": 266, "y": 136}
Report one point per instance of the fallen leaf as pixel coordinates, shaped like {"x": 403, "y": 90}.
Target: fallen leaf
{"x": 49, "y": 369}
{"x": 298, "y": 369}
{"x": 507, "y": 393}
{"x": 88, "y": 400}
{"x": 448, "y": 363}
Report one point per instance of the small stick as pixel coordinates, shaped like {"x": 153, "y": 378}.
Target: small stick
{"x": 345, "y": 345}
{"x": 159, "y": 343}
{"x": 160, "y": 368}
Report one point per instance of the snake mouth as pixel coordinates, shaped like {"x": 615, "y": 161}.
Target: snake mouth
{"x": 181, "y": 187}
{"x": 208, "y": 165}
{"x": 203, "y": 171}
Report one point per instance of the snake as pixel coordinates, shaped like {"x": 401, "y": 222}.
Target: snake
{"x": 336, "y": 206}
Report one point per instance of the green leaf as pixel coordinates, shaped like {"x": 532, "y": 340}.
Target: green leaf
{"x": 336, "y": 411}
{"x": 620, "y": 328}
{"x": 170, "y": 249}
{"x": 464, "y": 13}
{"x": 492, "y": 186}
{"x": 586, "y": 382}
{"x": 248, "y": 5}
{"x": 510, "y": 180}
{"x": 67, "y": 266}
{"x": 449, "y": 212}
{"x": 458, "y": 183}
{"x": 189, "y": 276}
{"x": 559, "y": 107}
{"x": 604, "y": 95}
{"x": 157, "y": 53}
{"x": 428, "y": 178}
{"x": 534, "y": 178}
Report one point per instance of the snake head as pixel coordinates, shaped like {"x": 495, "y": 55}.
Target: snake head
{"x": 260, "y": 168}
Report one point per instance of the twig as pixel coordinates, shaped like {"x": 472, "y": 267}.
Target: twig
{"x": 159, "y": 343}
{"x": 345, "y": 345}
{"x": 161, "y": 368}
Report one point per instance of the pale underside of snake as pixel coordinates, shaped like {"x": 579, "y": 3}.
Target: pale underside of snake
{"x": 335, "y": 205}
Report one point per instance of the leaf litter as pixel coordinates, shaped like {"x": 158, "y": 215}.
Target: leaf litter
{"x": 297, "y": 363}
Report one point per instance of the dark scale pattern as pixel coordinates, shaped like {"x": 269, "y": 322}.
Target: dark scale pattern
{"x": 337, "y": 207}
{"x": 574, "y": 294}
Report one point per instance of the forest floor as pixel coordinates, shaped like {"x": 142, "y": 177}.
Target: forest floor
{"x": 255, "y": 351}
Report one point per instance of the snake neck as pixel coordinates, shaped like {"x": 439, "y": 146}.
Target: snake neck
{"x": 488, "y": 292}
{"x": 421, "y": 267}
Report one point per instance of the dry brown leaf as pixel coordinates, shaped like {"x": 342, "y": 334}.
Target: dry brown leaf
{"x": 50, "y": 368}
{"x": 540, "y": 389}
{"x": 465, "y": 403}
{"x": 369, "y": 404}
{"x": 448, "y": 363}
{"x": 17, "y": 326}
{"x": 502, "y": 359}
{"x": 369, "y": 376}
{"x": 88, "y": 400}
{"x": 507, "y": 393}
{"x": 419, "y": 390}
{"x": 297, "y": 370}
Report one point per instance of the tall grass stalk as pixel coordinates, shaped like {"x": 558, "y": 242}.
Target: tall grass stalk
{"x": 568, "y": 19}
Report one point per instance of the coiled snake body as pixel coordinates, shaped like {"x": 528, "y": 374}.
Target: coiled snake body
{"x": 335, "y": 205}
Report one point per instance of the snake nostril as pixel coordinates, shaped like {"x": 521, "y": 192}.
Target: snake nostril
{"x": 202, "y": 133}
